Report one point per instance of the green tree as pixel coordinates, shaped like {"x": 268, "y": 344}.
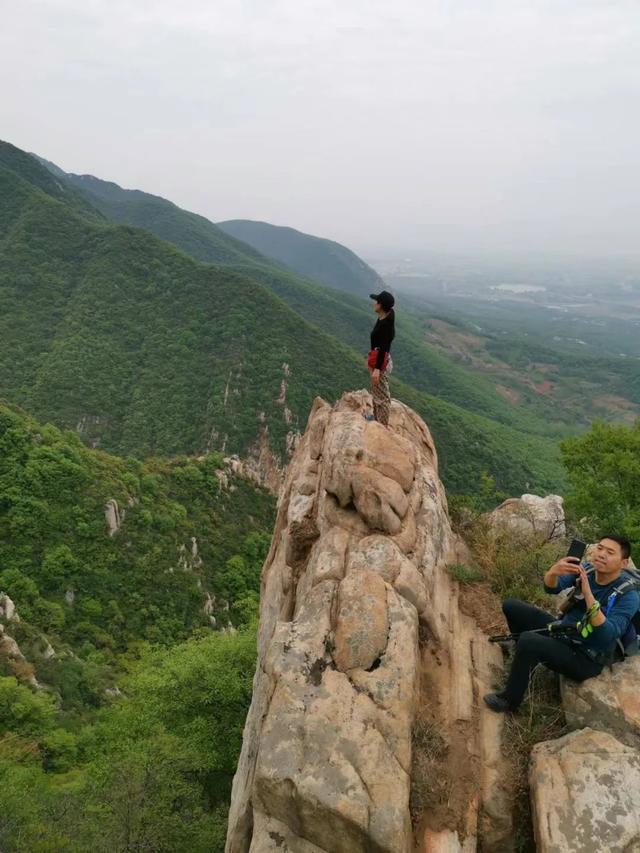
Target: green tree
{"x": 24, "y": 712}
{"x": 60, "y": 750}
{"x": 603, "y": 468}
{"x": 59, "y": 566}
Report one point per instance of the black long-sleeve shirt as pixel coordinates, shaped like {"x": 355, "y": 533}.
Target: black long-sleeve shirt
{"x": 383, "y": 333}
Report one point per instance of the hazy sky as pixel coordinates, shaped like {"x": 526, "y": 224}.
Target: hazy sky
{"x": 458, "y": 125}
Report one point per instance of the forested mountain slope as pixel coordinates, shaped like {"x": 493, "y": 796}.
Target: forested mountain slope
{"x": 102, "y": 550}
{"x": 117, "y": 571}
{"x": 110, "y": 328}
{"x": 111, "y": 331}
{"x": 314, "y": 257}
{"x": 51, "y": 181}
{"x": 195, "y": 234}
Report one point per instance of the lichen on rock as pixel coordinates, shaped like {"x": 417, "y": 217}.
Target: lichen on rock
{"x": 585, "y": 794}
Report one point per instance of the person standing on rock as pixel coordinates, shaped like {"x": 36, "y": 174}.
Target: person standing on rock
{"x": 604, "y": 617}
{"x": 379, "y": 359}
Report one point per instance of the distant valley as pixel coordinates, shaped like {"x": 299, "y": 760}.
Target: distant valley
{"x": 567, "y": 346}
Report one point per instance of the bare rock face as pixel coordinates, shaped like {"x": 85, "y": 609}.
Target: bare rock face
{"x": 359, "y": 631}
{"x": 362, "y": 622}
{"x": 585, "y": 794}
{"x": 8, "y": 609}
{"x": 8, "y": 646}
{"x": 113, "y": 516}
{"x": 610, "y": 702}
{"x": 531, "y": 515}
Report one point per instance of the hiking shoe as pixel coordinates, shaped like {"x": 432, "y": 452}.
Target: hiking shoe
{"x": 497, "y": 703}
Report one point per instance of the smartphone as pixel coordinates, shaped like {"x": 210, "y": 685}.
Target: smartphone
{"x": 577, "y": 549}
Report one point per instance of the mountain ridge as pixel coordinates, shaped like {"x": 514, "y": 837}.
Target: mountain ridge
{"x": 205, "y": 241}
{"x": 317, "y": 258}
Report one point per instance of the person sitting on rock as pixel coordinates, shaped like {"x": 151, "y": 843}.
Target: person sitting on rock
{"x": 578, "y": 654}
{"x": 379, "y": 359}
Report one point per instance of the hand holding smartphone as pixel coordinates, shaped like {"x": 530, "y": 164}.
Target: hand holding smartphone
{"x": 575, "y": 555}
{"x": 577, "y": 549}
{"x": 570, "y": 565}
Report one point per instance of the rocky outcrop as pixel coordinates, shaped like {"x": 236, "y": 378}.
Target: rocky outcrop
{"x": 113, "y": 516}
{"x": 189, "y": 559}
{"x": 531, "y": 515}
{"x": 610, "y": 702}
{"x": 37, "y": 645}
{"x": 7, "y": 609}
{"x": 585, "y": 794}
{"x": 584, "y": 786}
{"x": 361, "y": 637}
{"x": 261, "y": 466}
{"x": 9, "y": 647}
{"x": 11, "y": 652}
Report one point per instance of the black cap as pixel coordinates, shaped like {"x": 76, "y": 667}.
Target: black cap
{"x": 384, "y": 298}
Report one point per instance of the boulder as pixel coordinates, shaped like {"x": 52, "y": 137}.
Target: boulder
{"x": 584, "y": 793}
{"x": 323, "y": 763}
{"x": 410, "y": 584}
{"x": 390, "y": 454}
{"x": 326, "y": 561}
{"x": 362, "y": 621}
{"x": 377, "y": 554}
{"x": 610, "y": 702}
{"x": 531, "y": 515}
{"x": 381, "y": 502}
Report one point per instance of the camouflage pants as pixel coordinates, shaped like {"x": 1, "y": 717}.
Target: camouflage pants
{"x": 381, "y": 399}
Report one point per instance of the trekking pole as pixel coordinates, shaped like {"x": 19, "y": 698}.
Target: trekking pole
{"x": 554, "y": 628}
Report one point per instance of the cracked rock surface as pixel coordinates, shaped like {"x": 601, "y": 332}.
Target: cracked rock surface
{"x": 585, "y": 794}
{"x": 610, "y": 702}
{"x": 354, "y": 578}
{"x": 584, "y": 786}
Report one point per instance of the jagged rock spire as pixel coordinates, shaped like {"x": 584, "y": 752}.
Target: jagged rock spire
{"x": 360, "y": 631}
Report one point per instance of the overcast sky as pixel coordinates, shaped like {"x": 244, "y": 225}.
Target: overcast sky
{"x": 468, "y": 124}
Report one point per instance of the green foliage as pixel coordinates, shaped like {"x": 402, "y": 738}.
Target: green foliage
{"x": 340, "y": 314}
{"x": 314, "y": 257}
{"x": 604, "y": 475}
{"x": 153, "y": 772}
{"x": 464, "y": 574}
{"x": 141, "y": 350}
{"x": 23, "y": 712}
{"x": 481, "y": 499}
{"x": 200, "y": 691}
{"x": 180, "y": 535}
{"x": 239, "y": 581}
{"x": 195, "y": 234}
{"x": 97, "y": 769}
{"x": 512, "y": 564}
{"x": 41, "y": 176}
{"x": 60, "y": 751}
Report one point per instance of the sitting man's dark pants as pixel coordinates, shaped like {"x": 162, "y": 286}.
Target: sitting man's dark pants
{"x": 531, "y": 649}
